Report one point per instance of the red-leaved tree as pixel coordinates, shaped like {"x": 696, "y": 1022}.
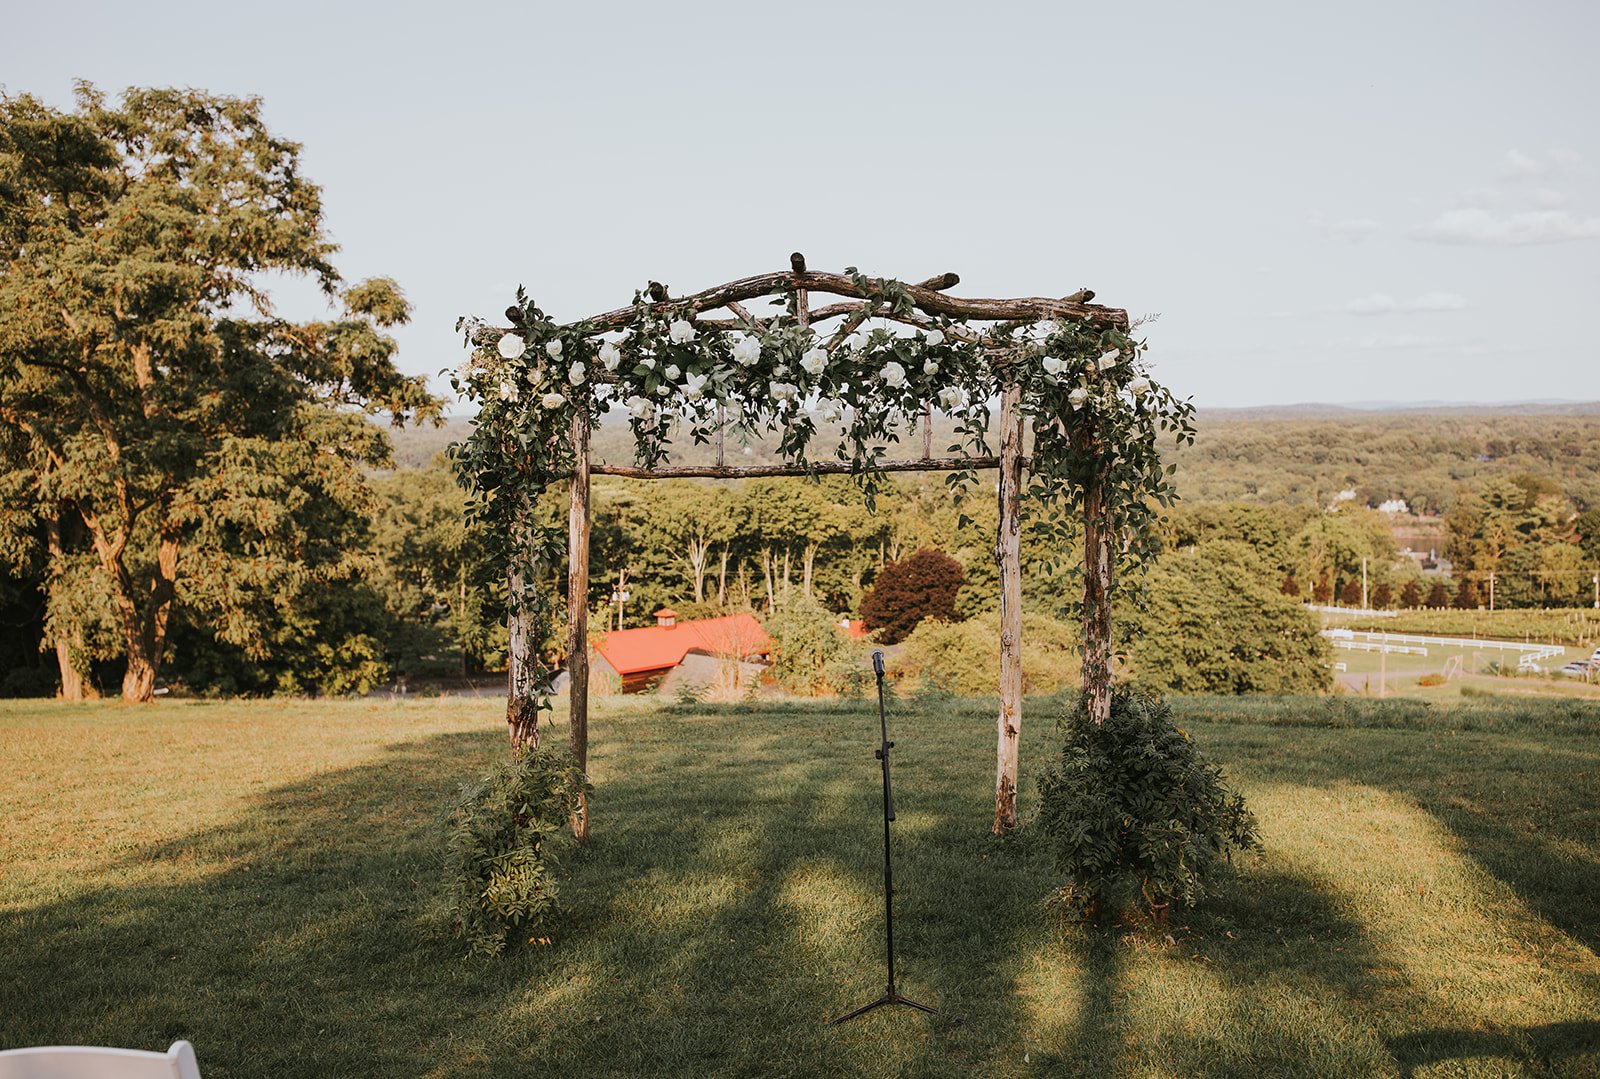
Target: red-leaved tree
{"x": 921, "y": 586}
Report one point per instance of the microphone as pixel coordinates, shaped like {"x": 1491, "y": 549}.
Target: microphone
{"x": 877, "y": 661}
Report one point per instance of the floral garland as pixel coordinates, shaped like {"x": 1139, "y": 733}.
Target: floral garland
{"x": 781, "y": 377}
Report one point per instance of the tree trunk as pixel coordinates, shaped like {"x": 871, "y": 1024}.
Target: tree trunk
{"x": 722, "y": 579}
{"x": 578, "y": 614}
{"x": 69, "y": 643}
{"x": 1008, "y": 557}
{"x": 144, "y": 632}
{"x": 808, "y": 565}
{"x": 522, "y": 658}
{"x": 696, "y": 551}
{"x": 1098, "y": 535}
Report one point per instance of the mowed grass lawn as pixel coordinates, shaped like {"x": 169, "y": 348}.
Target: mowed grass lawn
{"x": 262, "y": 879}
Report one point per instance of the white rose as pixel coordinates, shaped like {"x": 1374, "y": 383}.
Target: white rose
{"x": 552, "y": 400}
{"x": 893, "y": 374}
{"x": 930, "y": 368}
{"x": 1139, "y": 386}
{"x": 610, "y": 356}
{"x": 1054, "y": 365}
{"x": 639, "y": 406}
{"x": 663, "y": 389}
{"x": 950, "y": 398}
{"x": 1078, "y": 396}
{"x": 747, "y": 352}
{"x": 575, "y": 373}
{"x": 512, "y": 346}
{"x": 935, "y": 338}
{"x": 602, "y": 392}
{"x": 831, "y": 412}
{"x": 508, "y": 391}
{"x": 784, "y": 391}
{"x": 649, "y": 363}
{"x": 1109, "y": 360}
{"x": 859, "y": 341}
{"x": 814, "y": 361}
{"x": 672, "y": 372}
{"x": 681, "y": 331}
{"x": 694, "y": 385}
{"x": 552, "y": 348}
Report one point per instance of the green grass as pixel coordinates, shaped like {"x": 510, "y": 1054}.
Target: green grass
{"x": 262, "y": 879}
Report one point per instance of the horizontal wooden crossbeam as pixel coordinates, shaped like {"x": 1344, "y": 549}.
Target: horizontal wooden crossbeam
{"x": 825, "y": 468}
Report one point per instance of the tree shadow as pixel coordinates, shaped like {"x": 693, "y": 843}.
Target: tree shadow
{"x": 305, "y": 937}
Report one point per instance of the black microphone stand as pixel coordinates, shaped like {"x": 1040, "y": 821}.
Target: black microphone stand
{"x": 891, "y": 995}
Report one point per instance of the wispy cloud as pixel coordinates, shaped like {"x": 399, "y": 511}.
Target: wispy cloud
{"x": 1479, "y": 227}
{"x": 1399, "y": 341}
{"x": 1353, "y": 229}
{"x": 1381, "y": 303}
{"x": 1520, "y": 166}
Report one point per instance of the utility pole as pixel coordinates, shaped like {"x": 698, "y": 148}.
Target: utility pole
{"x": 1491, "y": 589}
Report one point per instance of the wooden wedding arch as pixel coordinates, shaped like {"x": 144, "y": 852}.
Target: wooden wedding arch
{"x": 986, "y": 327}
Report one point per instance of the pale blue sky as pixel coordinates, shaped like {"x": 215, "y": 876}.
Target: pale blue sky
{"x": 1339, "y": 202}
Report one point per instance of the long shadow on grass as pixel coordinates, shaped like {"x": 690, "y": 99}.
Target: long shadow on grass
{"x": 1512, "y": 780}
{"x": 1250, "y": 984}
{"x": 727, "y": 906}
{"x": 292, "y": 942}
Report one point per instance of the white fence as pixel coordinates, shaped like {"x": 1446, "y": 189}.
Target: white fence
{"x": 1529, "y": 654}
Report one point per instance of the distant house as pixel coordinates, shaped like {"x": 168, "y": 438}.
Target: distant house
{"x": 1394, "y": 506}
{"x": 642, "y": 658}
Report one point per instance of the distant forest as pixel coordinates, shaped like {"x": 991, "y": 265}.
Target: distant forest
{"x": 1299, "y": 456}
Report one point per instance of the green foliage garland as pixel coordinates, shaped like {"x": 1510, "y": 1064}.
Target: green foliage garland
{"x": 1093, "y": 410}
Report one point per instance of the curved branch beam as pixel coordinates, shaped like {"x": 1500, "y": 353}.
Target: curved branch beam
{"x": 925, "y": 296}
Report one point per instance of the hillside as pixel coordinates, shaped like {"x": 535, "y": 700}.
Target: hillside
{"x": 1299, "y": 455}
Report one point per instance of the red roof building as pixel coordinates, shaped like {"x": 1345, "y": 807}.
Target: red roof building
{"x": 642, "y": 657}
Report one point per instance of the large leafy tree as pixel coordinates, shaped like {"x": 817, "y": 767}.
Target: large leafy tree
{"x": 154, "y": 405}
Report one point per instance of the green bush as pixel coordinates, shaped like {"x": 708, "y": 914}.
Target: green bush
{"x": 1135, "y": 818}
{"x": 1217, "y": 622}
{"x": 813, "y": 656}
{"x": 963, "y": 658}
{"x": 498, "y": 858}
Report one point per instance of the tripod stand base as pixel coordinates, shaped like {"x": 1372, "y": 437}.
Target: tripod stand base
{"x": 890, "y": 996}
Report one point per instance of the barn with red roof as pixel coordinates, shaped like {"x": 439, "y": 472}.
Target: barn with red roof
{"x": 641, "y": 658}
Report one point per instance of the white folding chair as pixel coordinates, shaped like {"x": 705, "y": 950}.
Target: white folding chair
{"x": 92, "y": 1062}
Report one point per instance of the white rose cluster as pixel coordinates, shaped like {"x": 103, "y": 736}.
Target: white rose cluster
{"x": 747, "y": 351}
{"x": 512, "y": 346}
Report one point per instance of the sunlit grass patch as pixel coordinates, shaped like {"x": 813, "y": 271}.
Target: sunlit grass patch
{"x": 262, "y": 877}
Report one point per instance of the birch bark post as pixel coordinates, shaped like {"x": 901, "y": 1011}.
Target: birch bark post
{"x": 1008, "y": 556}
{"x": 1098, "y": 536}
{"x": 578, "y": 615}
{"x": 522, "y": 646}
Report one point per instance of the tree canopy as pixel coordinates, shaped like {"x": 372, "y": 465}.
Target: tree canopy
{"x": 165, "y": 436}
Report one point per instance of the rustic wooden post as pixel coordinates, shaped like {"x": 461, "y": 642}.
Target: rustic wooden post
{"x": 1097, "y": 641}
{"x": 522, "y": 658}
{"x": 578, "y": 613}
{"x": 1008, "y": 555}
